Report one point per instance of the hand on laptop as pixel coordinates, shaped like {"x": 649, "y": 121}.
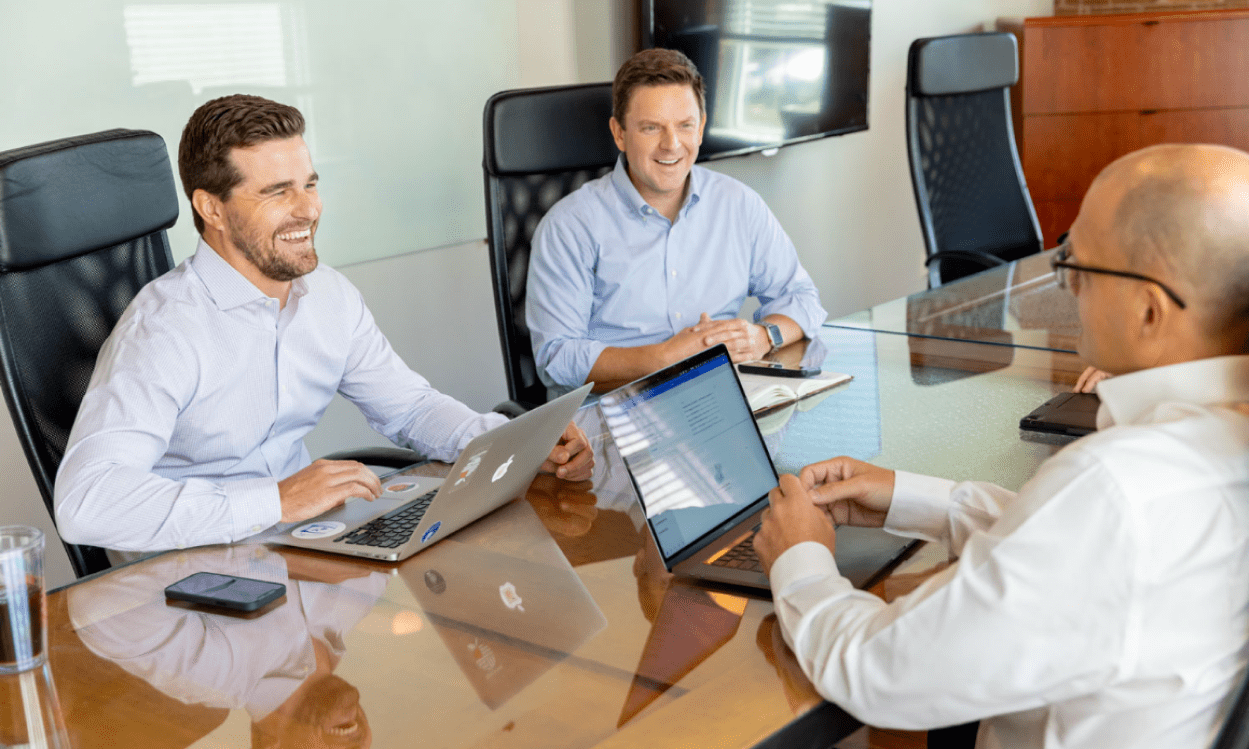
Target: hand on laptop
{"x": 791, "y": 519}
{"x": 1089, "y": 379}
{"x": 571, "y": 459}
{"x": 324, "y": 485}
{"x": 852, "y": 492}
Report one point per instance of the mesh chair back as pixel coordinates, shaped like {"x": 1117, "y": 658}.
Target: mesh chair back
{"x": 540, "y": 145}
{"x": 973, "y": 202}
{"x": 82, "y": 229}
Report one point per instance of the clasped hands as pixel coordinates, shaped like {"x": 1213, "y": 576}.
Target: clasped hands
{"x": 805, "y": 507}
{"x": 745, "y": 340}
{"x": 326, "y": 484}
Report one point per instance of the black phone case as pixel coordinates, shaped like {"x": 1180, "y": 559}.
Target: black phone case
{"x": 225, "y": 591}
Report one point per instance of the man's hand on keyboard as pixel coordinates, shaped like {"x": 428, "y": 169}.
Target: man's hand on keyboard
{"x": 791, "y": 518}
{"x": 572, "y": 459}
{"x": 324, "y": 485}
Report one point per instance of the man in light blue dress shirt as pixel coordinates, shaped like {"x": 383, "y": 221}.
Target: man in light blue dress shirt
{"x": 191, "y": 430}
{"x": 652, "y": 262}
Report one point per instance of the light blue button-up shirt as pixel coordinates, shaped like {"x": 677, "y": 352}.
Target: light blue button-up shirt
{"x": 609, "y": 270}
{"x": 203, "y": 393}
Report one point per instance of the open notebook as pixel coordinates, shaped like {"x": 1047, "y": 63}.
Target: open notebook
{"x": 765, "y": 393}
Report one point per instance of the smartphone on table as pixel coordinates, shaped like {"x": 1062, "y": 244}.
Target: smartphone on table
{"x": 225, "y": 591}
{"x": 776, "y": 369}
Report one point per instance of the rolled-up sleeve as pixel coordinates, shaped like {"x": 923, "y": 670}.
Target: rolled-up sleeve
{"x": 777, "y": 278}
{"x": 560, "y": 298}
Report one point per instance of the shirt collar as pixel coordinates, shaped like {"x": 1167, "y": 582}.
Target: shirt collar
{"x": 227, "y": 287}
{"x": 633, "y": 199}
{"x": 1133, "y": 398}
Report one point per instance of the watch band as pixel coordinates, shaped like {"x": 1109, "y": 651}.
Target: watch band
{"x": 774, "y": 335}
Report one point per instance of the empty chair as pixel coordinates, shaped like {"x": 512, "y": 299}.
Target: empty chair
{"x": 974, "y": 207}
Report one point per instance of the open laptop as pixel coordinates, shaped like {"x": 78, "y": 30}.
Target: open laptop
{"x": 416, "y": 511}
{"x": 703, "y": 473}
{"x": 507, "y": 616}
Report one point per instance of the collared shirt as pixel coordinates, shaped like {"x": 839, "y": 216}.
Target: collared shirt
{"x": 609, "y": 270}
{"x": 203, "y": 393}
{"x": 1105, "y": 604}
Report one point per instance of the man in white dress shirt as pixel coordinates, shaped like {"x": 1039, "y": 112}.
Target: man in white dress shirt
{"x": 1107, "y": 602}
{"x": 191, "y": 430}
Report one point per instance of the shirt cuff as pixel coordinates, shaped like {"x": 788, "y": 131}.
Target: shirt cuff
{"x": 254, "y": 505}
{"x": 920, "y": 506}
{"x": 572, "y": 361}
{"x": 809, "y": 315}
{"x": 800, "y": 562}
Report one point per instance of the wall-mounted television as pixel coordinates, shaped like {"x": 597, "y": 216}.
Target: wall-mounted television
{"x": 776, "y": 71}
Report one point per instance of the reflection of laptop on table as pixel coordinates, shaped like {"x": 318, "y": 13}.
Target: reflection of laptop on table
{"x": 505, "y": 620}
{"x": 416, "y": 511}
{"x": 703, "y": 474}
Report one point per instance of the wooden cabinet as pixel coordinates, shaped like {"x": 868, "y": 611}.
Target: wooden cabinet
{"x": 1093, "y": 88}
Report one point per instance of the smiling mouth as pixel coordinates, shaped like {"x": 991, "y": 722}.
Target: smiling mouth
{"x": 668, "y": 163}
{"x": 296, "y": 236}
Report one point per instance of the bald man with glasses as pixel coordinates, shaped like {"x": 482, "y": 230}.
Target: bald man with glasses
{"x": 1107, "y": 602}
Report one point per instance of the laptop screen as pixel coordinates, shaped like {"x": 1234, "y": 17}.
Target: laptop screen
{"x": 691, "y": 447}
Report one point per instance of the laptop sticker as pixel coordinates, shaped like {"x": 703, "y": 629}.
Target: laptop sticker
{"x": 432, "y": 530}
{"x": 510, "y": 597}
{"x": 501, "y": 471}
{"x": 319, "y": 529}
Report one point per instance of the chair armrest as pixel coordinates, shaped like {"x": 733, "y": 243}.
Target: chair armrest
{"x": 386, "y": 457}
{"x": 974, "y": 256}
{"x": 512, "y": 409}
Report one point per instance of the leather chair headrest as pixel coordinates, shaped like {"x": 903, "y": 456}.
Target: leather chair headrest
{"x": 963, "y": 64}
{"x": 66, "y": 197}
{"x": 555, "y": 129}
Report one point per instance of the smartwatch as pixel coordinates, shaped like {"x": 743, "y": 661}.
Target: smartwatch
{"x": 774, "y": 335}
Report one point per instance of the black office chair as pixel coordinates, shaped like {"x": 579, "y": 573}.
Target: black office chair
{"x": 82, "y": 229}
{"x": 540, "y": 145}
{"x": 974, "y": 207}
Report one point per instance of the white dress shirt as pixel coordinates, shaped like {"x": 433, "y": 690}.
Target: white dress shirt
{"x": 203, "y": 393}
{"x": 1105, "y": 604}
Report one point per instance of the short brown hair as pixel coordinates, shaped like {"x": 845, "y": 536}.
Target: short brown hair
{"x": 223, "y": 124}
{"x": 654, "y": 67}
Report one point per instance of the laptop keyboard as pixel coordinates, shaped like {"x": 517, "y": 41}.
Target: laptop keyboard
{"x": 393, "y": 529}
{"x": 741, "y": 557}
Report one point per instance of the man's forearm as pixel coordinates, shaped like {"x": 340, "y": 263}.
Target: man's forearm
{"x": 618, "y": 366}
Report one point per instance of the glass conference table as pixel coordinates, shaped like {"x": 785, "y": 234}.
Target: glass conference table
{"x": 550, "y": 623}
{"x": 1018, "y": 304}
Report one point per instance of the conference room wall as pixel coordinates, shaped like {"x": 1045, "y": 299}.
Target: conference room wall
{"x": 845, "y": 201}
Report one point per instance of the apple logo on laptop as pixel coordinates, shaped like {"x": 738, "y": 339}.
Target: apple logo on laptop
{"x": 502, "y": 470}
{"x": 511, "y": 598}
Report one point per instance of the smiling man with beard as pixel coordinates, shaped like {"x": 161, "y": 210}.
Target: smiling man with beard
{"x": 191, "y": 430}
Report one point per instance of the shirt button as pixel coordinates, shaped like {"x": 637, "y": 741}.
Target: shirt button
{"x": 255, "y": 529}
{"x": 677, "y": 315}
{"x": 674, "y": 274}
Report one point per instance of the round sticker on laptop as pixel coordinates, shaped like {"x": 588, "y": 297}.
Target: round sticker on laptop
{"x": 430, "y": 533}
{"x": 402, "y": 486}
{"x": 320, "y": 529}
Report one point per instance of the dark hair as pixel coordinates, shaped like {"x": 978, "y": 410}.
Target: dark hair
{"x": 223, "y": 124}
{"x": 654, "y": 67}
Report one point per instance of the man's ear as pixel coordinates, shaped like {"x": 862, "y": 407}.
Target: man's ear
{"x": 1153, "y": 314}
{"x": 210, "y": 209}
{"x": 617, "y": 133}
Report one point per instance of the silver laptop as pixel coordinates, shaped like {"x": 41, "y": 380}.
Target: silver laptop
{"x": 417, "y": 511}
{"x": 702, "y": 473}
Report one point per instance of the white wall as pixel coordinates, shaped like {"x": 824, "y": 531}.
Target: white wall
{"x": 845, "y": 201}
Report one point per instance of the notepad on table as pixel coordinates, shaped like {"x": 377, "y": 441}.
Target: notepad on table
{"x": 765, "y": 393}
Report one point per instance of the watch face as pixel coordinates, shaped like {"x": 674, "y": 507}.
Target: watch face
{"x": 774, "y": 332}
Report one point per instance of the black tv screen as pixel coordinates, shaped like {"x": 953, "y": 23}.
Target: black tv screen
{"x": 776, "y": 71}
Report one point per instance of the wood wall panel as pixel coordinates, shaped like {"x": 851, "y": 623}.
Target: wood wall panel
{"x": 1056, "y": 217}
{"x": 1063, "y": 153}
{"x": 1142, "y": 61}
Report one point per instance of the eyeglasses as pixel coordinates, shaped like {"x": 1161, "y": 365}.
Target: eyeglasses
{"x": 1066, "y": 279}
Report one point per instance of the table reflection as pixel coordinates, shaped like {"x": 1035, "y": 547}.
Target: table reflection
{"x": 278, "y": 666}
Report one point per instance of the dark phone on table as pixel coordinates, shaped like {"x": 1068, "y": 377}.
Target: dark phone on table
{"x": 775, "y": 369}
{"x": 225, "y": 591}
{"x": 1073, "y": 414}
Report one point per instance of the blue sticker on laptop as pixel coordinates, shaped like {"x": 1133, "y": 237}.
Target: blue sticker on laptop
{"x": 319, "y": 529}
{"x": 432, "y": 530}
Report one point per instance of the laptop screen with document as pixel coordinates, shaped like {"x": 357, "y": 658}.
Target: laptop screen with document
{"x": 692, "y": 448}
